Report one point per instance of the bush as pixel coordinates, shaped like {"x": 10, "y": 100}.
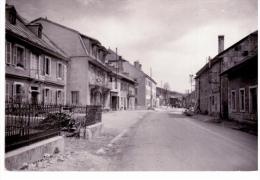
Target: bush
{"x": 55, "y": 120}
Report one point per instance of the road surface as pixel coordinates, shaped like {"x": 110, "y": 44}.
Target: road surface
{"x": 170, "y": 141}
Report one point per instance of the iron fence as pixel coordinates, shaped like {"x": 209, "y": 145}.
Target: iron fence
{"x": 28, "y": 123}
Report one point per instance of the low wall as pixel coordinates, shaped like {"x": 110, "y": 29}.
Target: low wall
{"x": 91, "y": 131}
{"x": 15, "y": 159}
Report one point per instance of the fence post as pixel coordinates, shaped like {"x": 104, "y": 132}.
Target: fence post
{"x": 28, "y": 125}
{"x": 60, "y": 119}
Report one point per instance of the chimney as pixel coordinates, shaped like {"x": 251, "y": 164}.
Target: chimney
{"x": 138, "y": 65}
{"x": 220, "y": 43}
{"x": 10, "y": 14}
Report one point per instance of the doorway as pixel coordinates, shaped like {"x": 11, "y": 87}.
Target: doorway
{"x": 34, "y": 97}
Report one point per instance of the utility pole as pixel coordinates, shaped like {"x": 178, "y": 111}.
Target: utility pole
{"x": 117, "y": 77}
{"x": 191, "y": 79}
{"x": 151, "y": 88}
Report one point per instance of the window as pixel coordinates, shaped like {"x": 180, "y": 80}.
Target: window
{"x": 238, "y": 48}
{"x": 75, "y": 97}
{"x": 242, "y": 99}
{"x": 8, "y": 52}
{"x": 58, "y": 97}
{"x": 47, "y": 95}
{"x": 253, "y": 99}
{"x": 212, "y": 100}
{"x": 245, "y": 53}
{"x": 116, "y": 83}
{"x": 60, "y": 70}
{"x": 233, "y": 100}
{"x": 34, "y": 67}
{"x": 12, "y": 17}
{"x": 47, "y": 65}
{"x": 19, "y": 56}
{"x": 18, "y": 92}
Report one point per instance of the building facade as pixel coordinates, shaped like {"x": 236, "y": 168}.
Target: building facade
{"x": 123, "y": 86}
{"x": 145, "y": 91}
{"x": 227, "y": 85}
{"x": 88, "y": 75}
{"x": 240, "y": 73}
{"x": 36, "y": 70}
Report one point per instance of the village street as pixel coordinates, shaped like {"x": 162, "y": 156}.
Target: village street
{"x": 158, "y": 140}
{"x": 171, "y": 141}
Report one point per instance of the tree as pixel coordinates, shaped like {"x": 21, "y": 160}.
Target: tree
{"x": 166, "y": 86}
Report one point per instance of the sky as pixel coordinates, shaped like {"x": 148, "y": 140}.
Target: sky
{"x": 170, "y": 38}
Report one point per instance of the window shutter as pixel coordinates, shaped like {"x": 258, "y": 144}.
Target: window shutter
{"x": 62, "y": 97}
{"x": 62, "y": 71}
{"x": 50, "y": 96}
{"x": 56, "y": 97}
{"x": 43, "y": 96}
{"x": 57, "y": 69}
{"x": 25, "y": 55}
{"x": 41, "y": 65}
{"x": 8, "y": 52}
{"x": 15, "y": 55}
{"x": 6, "y": 91}
{"x": 22, "y": 93}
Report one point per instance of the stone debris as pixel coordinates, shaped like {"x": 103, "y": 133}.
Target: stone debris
{"x": 101, "y": 151}
{"x": 24, "y": 166}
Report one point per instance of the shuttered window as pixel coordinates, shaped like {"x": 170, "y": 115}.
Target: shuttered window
{"x": 8, "y": 52}
{"x": 19, "y": 56}
{"x": 75, "y": 97}
{"x": 47, "y": 65}
{"x": 7, "y": 91}
{"x": 60, "y": 70}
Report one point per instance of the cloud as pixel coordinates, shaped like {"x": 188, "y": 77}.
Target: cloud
{"x": 174, "y": 37}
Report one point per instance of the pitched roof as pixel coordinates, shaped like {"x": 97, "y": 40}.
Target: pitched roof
{"x": 113, "y": 57}
{"x": 217, "y": 57}
{"x": 23, "y": 32}
{"x": 70, "y": 29}
{"x": 245, "y": 61}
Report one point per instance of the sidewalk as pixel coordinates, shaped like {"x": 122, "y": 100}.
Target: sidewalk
{"x": 81, "y": 154}
{"x": 224, "y": 123}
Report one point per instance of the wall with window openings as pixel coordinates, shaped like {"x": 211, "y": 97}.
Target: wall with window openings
{"x": 23, "y": 62}
{"x": 239, "y": 52}
{"x": 242, "y": 98}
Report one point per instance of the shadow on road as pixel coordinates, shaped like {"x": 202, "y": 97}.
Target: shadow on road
{"x": 173, "y": 115}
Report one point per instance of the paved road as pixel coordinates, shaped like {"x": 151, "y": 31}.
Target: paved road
{"x": 171, "y": 141}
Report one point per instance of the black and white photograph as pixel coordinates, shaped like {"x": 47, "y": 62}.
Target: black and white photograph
{"x": 130, "y": 86}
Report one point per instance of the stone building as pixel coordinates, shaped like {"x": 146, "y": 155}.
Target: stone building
{"x": 167, "y": 97}
{"x": 36, "y": 70}
{"x": 123, "y": 86}
{"x": 145, "y": 91}
{"x": 88, "y": 75}
{"x": 227, "y": 85}
{"x": 239, "y": 76}
{"x": 208, "y": 88}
